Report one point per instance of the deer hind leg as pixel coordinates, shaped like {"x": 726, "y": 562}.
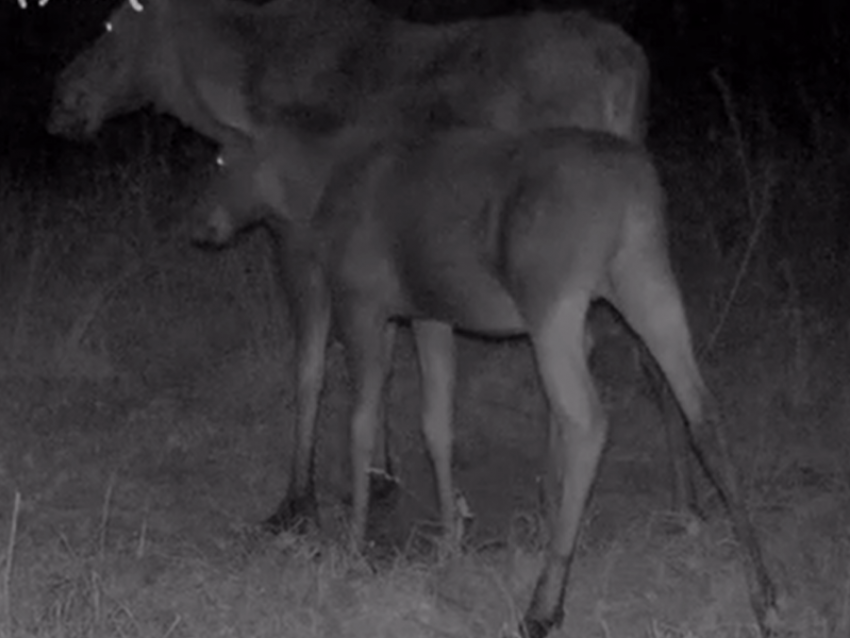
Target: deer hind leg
{"x": 383, "y": 483}
{"x": 435, "y": 343}
{"x": 579, "y": 437}
{"x": 366, "y": 348}
{"x": 312, "y": 320}
{"x": 684, "y": 494}
{"x": 649, "y": 299}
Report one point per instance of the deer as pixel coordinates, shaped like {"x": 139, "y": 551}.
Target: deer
{"x": 475, "y": 229}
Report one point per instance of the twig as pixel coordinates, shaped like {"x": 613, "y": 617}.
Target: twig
{"x": 770, "y": 179}
{"x": 7, "y": 573}
{"x": 143, "y": 533}
{"x": 172, "y": 626}
{"x": 738, "y": 132}
{"x": 104, "y": 516}
{"x": 758, "y": 207}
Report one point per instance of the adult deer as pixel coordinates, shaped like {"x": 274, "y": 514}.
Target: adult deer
{"x": 494, "y": 233}
{"x": 209, "y": 62}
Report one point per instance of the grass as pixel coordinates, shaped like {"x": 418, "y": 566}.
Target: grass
{"x": 146, "y": 401}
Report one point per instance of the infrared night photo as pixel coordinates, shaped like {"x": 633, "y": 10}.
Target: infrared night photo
{"x": 424, "y": 318}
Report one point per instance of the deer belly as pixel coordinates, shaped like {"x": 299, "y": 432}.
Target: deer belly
{"x": 464, "y": 295}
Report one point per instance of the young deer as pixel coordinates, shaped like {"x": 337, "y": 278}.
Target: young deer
{"x": 492, "y": 233}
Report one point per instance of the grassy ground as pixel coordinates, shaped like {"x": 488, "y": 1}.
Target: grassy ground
{"x": 146, "y": 404}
